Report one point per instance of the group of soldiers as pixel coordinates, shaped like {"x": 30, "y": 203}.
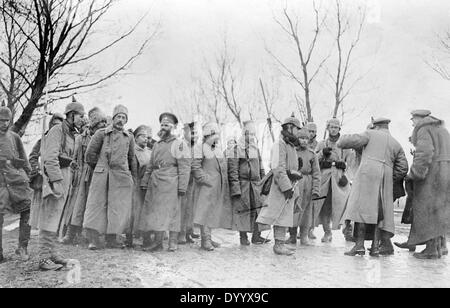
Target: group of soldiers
{"x": 88, "y": 179}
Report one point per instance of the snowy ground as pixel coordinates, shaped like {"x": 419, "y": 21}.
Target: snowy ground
{"x": 322, "y": 265}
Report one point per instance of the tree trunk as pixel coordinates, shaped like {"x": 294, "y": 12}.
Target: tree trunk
{"x": 22, "y": 122}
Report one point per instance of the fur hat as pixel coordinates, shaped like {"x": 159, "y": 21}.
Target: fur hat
{"x": 120, "y": 109}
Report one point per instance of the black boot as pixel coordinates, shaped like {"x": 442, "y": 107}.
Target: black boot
{"x": 157, "y": 244}
{"x": 244, "y": 238}
{"x": 93, "y": 239}
{"x": 24, "y": 236}
{"x": 146, "y": 239}
{"x": 69, "y": 238}
{"x": 311, "y": 234}
{"x": 182, "y": 238}
{"x": 358, "y": 249}
{"x": 375, "y": 249}
{"x": 431, "y": 250}
{"x": 257, "y": 239}
{"x": 348, "y": 231}
{"x": 129, "y": 240}
{"x": 386, "y": 248}
{"x": 292, "y": 240}
{"x": 112, "y": 243}
{"x": 405, "y": 245}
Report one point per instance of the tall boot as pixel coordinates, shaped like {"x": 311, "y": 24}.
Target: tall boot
{"x": 304, "y": 241}
{"x": 444, "y": 249}
{"x": 206, "y": 239}
{"x": 430, "y": 251}
{"x": 280, "y": 249}
{"x": 173, "y": 241}
{"x": 68, "y": 239}
{"x": 292, "y": 240}
{"x": 112, "y": 243}
{"x": 358, "y": 249}
{"x": 146, "y": 239}
{"x": 129, "y": 239}
{"x": 348, "y": 231}
{"x": 182, "y": 238}
{"x": 157, "y": 244}
{"x": 24, "y": 236}
{"x": 2, "y": 259}
{"x": 257, "y": 239}
{"x": 375, "y": 249}
{"x": 386, "y": 248}
{"x": 328, "y": 236}
{"x": 243, "y": 238}
{"x": 93, "y": 239}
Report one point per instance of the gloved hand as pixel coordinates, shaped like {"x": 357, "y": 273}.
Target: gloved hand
{"x": 236, "y": 197}
{"x": 288, "y": 194}
{"x": 327, "y": 151}
{"x": 294, "y": 175}
{"x": 341, "y": 165}
{"x": 181, "y": 193}
{"x": 74, "y": 165}
{"x": 300, "y": 163}
{"x": 324, "y": 164}
{"x": 343, "y": 181}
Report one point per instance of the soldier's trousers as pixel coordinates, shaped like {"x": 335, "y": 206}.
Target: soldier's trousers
{"x": 47, "y": 243}
{"x": 279, "y": 233}
{"x": 24, "y": 230}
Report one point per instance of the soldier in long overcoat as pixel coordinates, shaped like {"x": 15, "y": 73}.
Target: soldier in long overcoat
{"x": 245, "y": 171}
{"x": 371, "y": 200}
{"x": 335, "y": 186}
{"x": 143, "y": 154}
{"x": 111, "y": 155}
{"x": 57, "y": 152}
{"x": 166, "y": 181}
{"x": 284, "y": 192}
{"x": 430, "y": 179}
{"x": 212, "y": 208}
{"x": 36, "y": 171}
{"x": 76, "y": 203}
{"x": 309, "y": 187}
{"x": 190, "y": 131}
{"x": 15, "y": 192}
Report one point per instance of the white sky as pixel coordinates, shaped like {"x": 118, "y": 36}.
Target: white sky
{"x": 395, "y": 43}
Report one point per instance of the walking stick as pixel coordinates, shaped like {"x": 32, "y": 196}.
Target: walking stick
{"x": 282, "y": 209}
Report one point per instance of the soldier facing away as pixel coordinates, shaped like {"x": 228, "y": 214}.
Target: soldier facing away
{"x": 371, "y": 201}
{"x": 15, "y": 192}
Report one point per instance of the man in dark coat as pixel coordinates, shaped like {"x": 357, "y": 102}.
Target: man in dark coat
{"x": 371, "y": 200}
{"x": 430, "y": 177}
{"x": 15, "y": 192}
{"x": 245, "y": 171}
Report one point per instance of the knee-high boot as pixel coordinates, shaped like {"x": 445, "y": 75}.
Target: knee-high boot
{"x": 358, "y": 249}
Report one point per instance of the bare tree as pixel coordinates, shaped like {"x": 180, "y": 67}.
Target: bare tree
{"x": 304, "y": 74}
{"x": 346, "y": 42}
{"x": 47, "y": 47}
{"x": 223, "y": 76}
{"x": 441, "y": 56}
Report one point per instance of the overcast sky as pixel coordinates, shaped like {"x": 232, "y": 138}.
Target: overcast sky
{"x": 397, "y": 39}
